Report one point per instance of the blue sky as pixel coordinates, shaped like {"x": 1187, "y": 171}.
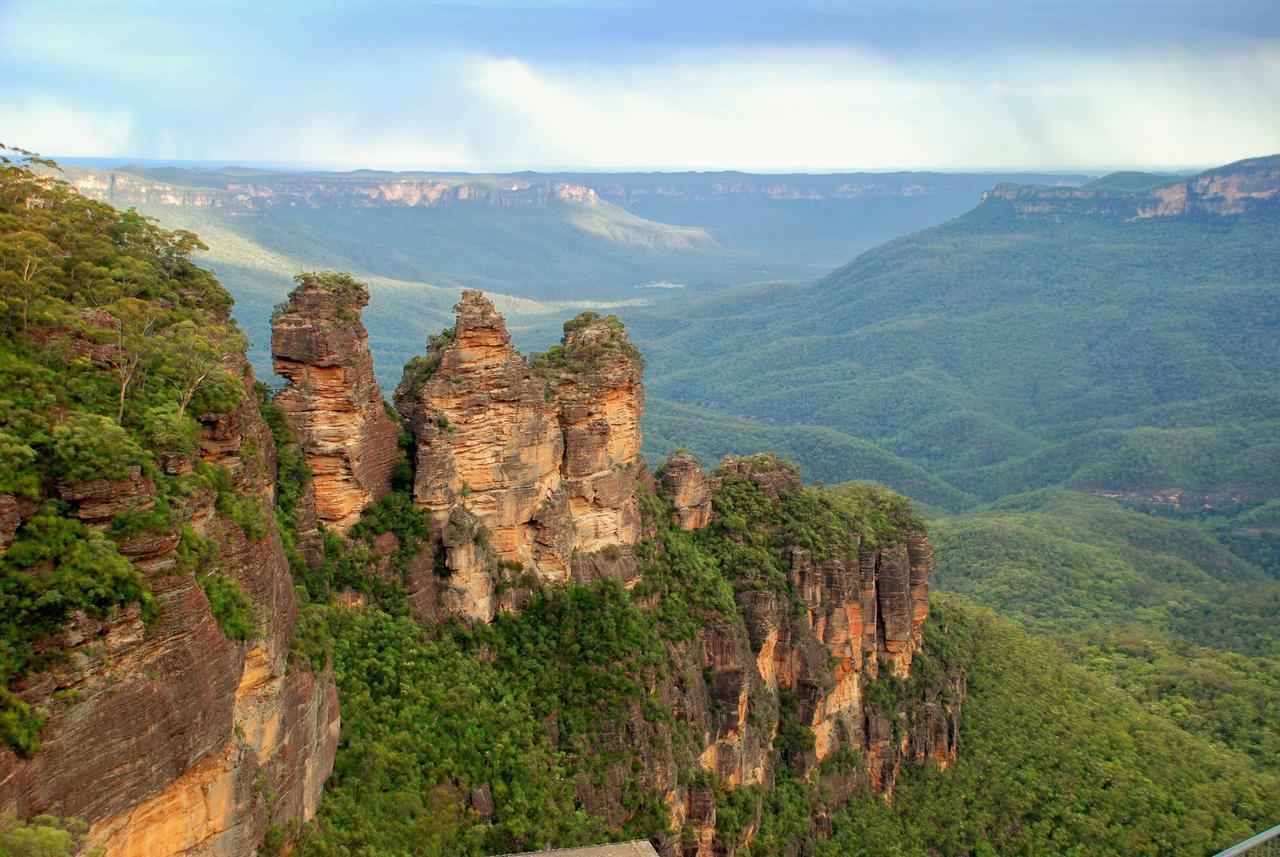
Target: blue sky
{"x": 614, "y": 84}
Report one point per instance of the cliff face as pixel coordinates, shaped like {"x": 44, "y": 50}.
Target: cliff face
{"x": 333, "y": 402}
{"x": 237, "y": 193}
{"x": 1235, "y": 189}
{"x": 525, "y": 468}
{"x": 829, "y": 655}
{"x": 167, "y": 738}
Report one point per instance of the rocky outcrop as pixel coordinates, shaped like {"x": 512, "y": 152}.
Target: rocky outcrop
{"x": 683, "y": 481}
{"x": 1245, "y": 187}
{"x": 526, "y": 467}
{"x": 167, "y": 737}
{"x": 332, "y": 401}
{"x": 813, "y": 674}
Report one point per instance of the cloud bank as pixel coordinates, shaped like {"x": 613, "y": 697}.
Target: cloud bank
{"x": 446, "y": 86}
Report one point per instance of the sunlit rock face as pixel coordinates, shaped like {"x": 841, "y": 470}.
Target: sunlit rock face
{"x": 542, "y": 455}
{"x": 1246, "y": 187}
{"x": 332, "y": 401}
{"x": 167, "y": 738}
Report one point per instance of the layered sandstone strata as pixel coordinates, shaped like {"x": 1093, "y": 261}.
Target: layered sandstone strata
{"x": 536, "y": 462}
{"x": 332, "y": 401}
{"x": 805, "y": 657}
{"x": 167, "y": 738}
{"x": 1245, "y": 187}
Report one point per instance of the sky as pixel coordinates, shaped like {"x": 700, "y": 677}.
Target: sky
{"x": 782, "y": 85}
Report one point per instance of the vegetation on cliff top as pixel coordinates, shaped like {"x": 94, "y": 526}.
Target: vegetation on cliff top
{"x": 578, "y": 353}
{"x": 111, "y": 342}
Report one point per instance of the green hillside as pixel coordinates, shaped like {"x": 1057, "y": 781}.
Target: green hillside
{"x": 649, "y": 240}
{"x": 1003, "y": 354}
{"x": 1159, "y": 607}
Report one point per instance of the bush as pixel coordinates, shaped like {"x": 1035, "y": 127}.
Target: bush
{"x": 45, "y": 836}
{"x": 88, "y": 446}
{"x": 169, "y": 432}
{"x": 231, "y": 608}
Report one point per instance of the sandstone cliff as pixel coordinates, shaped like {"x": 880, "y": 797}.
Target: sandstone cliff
{"x": 1244, "y": 187}
{"x": 811, "y": 670}
{"x": 525, "y": 468}
{"x": 168, "y": 737}
{"x": 333, "y": 402}
{"x": 237, "y": 193}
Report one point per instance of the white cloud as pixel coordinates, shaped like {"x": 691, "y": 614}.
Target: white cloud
{"x": 808, "y": 110}
{"x": 42, "y": 123}
{"x": 745, "y": 108}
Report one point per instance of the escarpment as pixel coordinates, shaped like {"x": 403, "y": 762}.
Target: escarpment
{"x": 332, "y": 402}
{"x": 537, "y": 460}
{"x": 163, "y": 734}
{"x": 1244, "y": 188}
{"x": 811, "y": 656}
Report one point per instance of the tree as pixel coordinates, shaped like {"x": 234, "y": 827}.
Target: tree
{"x": 192, "y": 354}
{"x": 27, "y": 271}
{"x": 135, "y": 322}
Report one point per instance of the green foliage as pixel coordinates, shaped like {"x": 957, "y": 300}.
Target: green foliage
{"x": 111, "y": 340}
{"x": 234, "y": 504}
{"x": 423, "y": 367}
{"x": 88, "y": 446}
{"x": 232, "y": 608}
{"x": 428, "y": 717}
{"x": 1153, "y": 604}
{"x": 348, "y": 562}
{"x": 587, "y": 354}
{"x": 329, "y": 281}
{"x": 19, "y": 475}
{"x": 46, "y": 836}
{"x": 1055, "y": 761}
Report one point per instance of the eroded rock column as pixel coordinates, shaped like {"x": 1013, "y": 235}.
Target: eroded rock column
{"x": 333, "y": 402}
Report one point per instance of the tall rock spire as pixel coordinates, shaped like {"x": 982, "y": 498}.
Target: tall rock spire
{"x": 333, "y": 402}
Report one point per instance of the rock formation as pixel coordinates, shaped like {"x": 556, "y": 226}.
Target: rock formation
{"x": 167, "y": 738}
{"x": 687, "y": 486}
{"x": 535, "y": 462}
{"x": 1247, "y": 186}
{"x": 806, "y": 659}
{"x": 529, "y": 471}
{"x": 333, "y": 402}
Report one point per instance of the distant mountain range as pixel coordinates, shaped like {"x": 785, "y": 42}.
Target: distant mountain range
{"x": 1115, "y": 337}
{"x": 542, "y": 244}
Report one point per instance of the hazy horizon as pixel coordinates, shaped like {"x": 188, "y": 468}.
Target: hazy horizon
{"x": 125, "y": 161}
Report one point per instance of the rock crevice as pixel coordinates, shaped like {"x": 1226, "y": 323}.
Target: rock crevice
{"x": 542, "y": 455}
